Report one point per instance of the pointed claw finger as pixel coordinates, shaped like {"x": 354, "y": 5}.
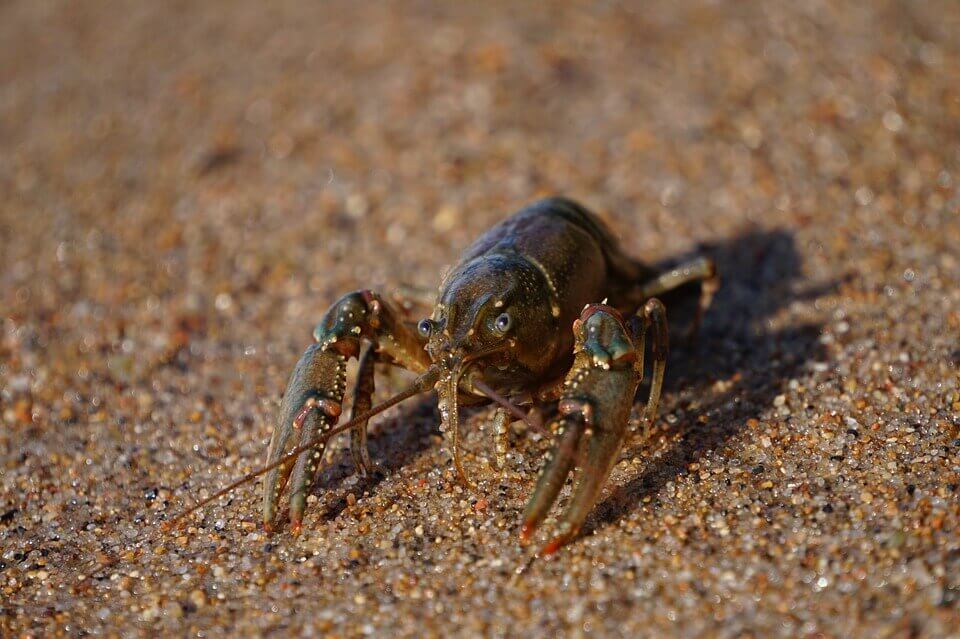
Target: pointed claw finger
{"x": 274, "y": 481}
{"x": 526, "y": 530}
{"x": 599, "y": 455}
{"x": 280, "y": 483}
{"x": 558, "y": 465}
{"x": 305, "y": 468}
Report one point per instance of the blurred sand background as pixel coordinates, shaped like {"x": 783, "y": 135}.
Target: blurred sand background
{"x": 185, "y": 187}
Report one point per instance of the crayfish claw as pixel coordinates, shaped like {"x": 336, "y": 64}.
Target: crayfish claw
{"x": 595, "y": 405}
{"x": 310, "y": 406}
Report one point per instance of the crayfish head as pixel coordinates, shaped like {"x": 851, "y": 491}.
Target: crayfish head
{"x": 497, "y": 317}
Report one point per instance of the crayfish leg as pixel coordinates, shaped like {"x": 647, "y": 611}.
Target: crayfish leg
{"x": 362, "y": 401}
{"x": 701, "y": 269}
{"x": 501, "y": 434}
{"x": 655, "y": 317}
{"x": 596, "y": 402}
{"x": 361, "y": 324}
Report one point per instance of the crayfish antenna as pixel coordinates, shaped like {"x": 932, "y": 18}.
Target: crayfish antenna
{"x": 422, "y": 384}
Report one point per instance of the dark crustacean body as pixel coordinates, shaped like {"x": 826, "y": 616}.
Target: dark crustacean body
{"x": 534, "y": 311}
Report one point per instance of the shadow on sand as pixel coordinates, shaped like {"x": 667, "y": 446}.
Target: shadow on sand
{"x": 760, "y": 272}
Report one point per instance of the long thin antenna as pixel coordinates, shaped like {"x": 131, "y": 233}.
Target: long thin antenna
{"x": 421, "y": 385}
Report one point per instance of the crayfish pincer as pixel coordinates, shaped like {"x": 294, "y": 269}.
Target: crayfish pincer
{"x": 518, "y": 322}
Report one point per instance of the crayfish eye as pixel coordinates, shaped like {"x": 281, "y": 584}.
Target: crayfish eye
{"x": 425, "y": 327}
{"x": 503, "y": 323}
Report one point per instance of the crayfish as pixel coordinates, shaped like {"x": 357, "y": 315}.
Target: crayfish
{"x": 518, "y": 322}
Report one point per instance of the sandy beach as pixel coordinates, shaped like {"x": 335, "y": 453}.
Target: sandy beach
{"x": 186, "y": 187}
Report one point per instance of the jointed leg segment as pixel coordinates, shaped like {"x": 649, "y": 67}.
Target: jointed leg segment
{"x": 654, "y": 317}
{"x": 701, "y": 269}
{"x": 362, "y": 401}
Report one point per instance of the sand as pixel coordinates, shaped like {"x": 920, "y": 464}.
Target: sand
{"x": 185, "y": 187}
